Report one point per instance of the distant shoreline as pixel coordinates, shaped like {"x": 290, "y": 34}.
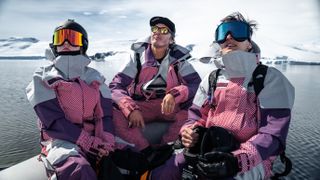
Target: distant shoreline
{"x": 102, "y": 55}
{"x": 21, "y": 57}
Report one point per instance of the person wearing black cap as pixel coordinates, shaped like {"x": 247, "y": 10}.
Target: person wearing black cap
{"x": 157, "y": 84}
{"x": 74, "y": 107}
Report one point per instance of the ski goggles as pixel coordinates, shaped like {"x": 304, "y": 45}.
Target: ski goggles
{"x": 62, "y": 35}
{"x": 162, "y": 30}
{"x": 240, "y": 31}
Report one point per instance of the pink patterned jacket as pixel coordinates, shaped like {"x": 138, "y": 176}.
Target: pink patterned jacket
{"x": 260, "y": 123}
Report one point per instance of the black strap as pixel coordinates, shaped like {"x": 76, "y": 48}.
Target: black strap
{"x": 176, "y": 70}
{"x": 258, "y": 77}
{"x": 213, "y": 78}
{"x": 137, "y": 57}
{"x": 288, "y": 166}
{"x": 136, "y": 79}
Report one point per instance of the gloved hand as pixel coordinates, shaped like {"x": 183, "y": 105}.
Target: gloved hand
{"x": 218, "y": 165}
{"x": 94, "y": 145}
{"x": 200, "y": 130}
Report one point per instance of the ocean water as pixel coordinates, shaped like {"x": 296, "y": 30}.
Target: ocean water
{"x": 19, "y": 136}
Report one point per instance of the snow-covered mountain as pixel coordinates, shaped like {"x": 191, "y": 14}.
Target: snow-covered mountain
{"x": 21, "y": 46}
{"x": 307, "y": 52}
{"x": 15, "y": 47}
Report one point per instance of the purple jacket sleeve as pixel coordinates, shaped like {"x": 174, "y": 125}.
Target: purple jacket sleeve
{"x": 54, "y": 122}
{"x": 120, "y": 94}
{"x": 106, "y": 105}
{"x": 196, "y": 117}
{"x": 275, "y": 104}
{"x": 119, "y": 85}
{"x": 193, "y": 80}
{"x": 198, "y": 112}
{"x": 269, "y": 141}
{"x": 185, "y": 92}
{"x": 273, "y": 131}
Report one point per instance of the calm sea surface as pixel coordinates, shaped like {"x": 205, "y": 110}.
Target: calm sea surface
{"x": 19, "y": 134}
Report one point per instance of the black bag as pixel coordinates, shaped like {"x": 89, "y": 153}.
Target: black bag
{"x": 218, "y": 139}
{"x": 107, "y": 170}
{"x": 133, "y": 164}
{"x": 213, "y": 139}
{"x": 130, "y": 163}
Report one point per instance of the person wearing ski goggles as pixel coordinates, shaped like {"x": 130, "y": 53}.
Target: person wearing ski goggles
{"x": 251, "y": 101}
{"x": 69, "y": 40}
{"x": 73, "y": 105}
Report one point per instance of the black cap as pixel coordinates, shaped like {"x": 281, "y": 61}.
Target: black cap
{"x": 163, "y": 20}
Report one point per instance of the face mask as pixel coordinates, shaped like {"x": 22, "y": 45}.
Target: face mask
{"x": 71, "y": 66}
{"x": 239, "y": 63}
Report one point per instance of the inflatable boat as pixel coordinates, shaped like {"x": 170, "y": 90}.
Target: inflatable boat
{"x": 33, "y": 169}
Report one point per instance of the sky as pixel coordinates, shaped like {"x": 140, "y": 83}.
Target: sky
{"x": 287, "y": 22}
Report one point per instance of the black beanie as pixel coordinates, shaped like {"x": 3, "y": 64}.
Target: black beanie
{"x": 163, "y": 20}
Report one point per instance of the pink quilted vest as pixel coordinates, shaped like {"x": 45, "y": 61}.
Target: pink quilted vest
{"x": 81, "y": 104}
{"x": 236, "y": 110}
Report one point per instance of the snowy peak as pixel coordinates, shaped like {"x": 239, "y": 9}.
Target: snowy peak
{"x": 307, "y": 51}
{"x": 17, "y": 43}
{"x": 22, "y": 46}
{"x": 313, "y": 47}
{"x": 17, "y": 39}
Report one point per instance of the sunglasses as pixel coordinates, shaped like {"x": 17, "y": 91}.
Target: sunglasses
{"x": 162, "y": 30}
{"x": 62, "y": 35}
{"x": 240, "y": 31}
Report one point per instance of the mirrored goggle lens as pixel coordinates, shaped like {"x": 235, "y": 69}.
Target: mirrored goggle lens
{"x": 73, "y": 37}
{"x": 162, "y": 30}
{"x": 240, "y": 31}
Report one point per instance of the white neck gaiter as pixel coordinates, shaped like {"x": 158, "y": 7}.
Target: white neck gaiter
{"x": 239, "y": 63}
{"x": 71, "y": 66}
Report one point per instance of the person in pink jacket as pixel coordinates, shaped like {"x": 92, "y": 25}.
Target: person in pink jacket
{"x": 247, "y": 130}
{"x": 74, "y": 107}
{"x": 157, "y": 84}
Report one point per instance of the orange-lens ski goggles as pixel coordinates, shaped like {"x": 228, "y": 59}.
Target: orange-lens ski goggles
{"x": 62, "y": 35}
{"x": 162, "y": 30}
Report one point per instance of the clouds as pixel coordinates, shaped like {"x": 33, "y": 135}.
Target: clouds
{"x": 286, "y": 21}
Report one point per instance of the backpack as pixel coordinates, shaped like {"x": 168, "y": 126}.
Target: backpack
{"x": 258, "y": 77}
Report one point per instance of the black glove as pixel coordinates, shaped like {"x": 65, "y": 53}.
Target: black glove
{"x": 218, "y": 165}
{"x": 157, "y": 156}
